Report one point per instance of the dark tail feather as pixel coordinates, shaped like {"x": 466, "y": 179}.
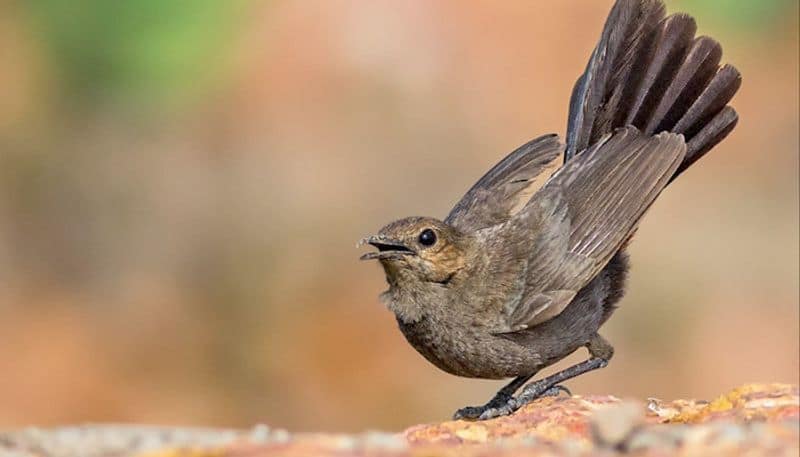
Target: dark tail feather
{"x": 696, "y": 71}
{"x": 713, "y": 131}
{"x": 672, "y": 40}
{"x": 598, "y": 92}
{"x": 651, "y": 72}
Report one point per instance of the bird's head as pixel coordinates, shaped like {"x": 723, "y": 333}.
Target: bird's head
{"x": 418, "y": 250}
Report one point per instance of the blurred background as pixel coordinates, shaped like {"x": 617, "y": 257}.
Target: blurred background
{"x": 182, "y": 185}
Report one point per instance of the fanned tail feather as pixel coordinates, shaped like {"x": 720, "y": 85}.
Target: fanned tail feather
{"x": 651, "y": 72}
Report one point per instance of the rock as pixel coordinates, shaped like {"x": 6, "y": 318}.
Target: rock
{"x": 613, "y": 426}
{"x": 753, "y": 420}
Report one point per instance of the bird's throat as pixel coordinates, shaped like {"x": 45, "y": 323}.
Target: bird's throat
{"x": 403, "y": 305}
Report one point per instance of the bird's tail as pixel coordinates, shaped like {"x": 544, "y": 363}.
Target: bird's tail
{"x": 651, "y": 72}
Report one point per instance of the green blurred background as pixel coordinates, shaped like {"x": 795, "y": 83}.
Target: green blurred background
{"x": 182, "y": 185}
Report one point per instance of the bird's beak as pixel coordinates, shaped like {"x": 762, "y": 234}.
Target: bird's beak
{"x": 388, "y": 248}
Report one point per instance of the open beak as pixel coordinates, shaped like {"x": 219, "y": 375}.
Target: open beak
{"x": 387, "y": 248}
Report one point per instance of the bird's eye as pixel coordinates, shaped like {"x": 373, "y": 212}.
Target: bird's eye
{"x": 427, "y": 237}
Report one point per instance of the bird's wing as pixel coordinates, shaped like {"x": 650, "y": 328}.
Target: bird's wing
{"x": 573, "y": 225}
{"x": 491, "y": 200}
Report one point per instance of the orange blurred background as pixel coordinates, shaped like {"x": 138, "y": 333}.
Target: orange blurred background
{"x": 182, "y": 185}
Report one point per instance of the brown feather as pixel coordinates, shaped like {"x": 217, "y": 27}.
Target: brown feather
{"x": 652, "y": 73}
{"x": 571, "y": 227}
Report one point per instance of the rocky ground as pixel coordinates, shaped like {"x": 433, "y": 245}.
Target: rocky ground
{"x": 753, "y": 420}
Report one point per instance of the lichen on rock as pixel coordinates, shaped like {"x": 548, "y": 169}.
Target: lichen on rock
{"x": 753, "y": 420}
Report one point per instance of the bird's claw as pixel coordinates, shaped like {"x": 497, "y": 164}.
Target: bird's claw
{"x": 503, "y": 410}
{"x": 498, "y": 408}
{"x": 477, "y": 412}
{"x": 554, "y": 391}
{"x": 536, "y": 390}
{"x": 468, "y": 413}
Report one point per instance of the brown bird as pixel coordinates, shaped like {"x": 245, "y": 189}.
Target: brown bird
{"x": 497, "y": 291}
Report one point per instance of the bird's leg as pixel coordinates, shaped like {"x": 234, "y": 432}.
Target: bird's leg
{"x": 601, "y": 352}
{"x": 538, "y": 388}
{"x": 500, "y": 398}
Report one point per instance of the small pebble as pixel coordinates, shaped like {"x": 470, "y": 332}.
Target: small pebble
{"x": 612, "y": 425}
{"x": 280, "y": 436}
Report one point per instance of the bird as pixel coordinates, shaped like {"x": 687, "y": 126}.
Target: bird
{"x": 509, "y": 283}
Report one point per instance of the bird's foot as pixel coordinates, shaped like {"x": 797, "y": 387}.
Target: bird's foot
{"x": 528, "y": 395}
{"x": 476, "y": 412}
{"x": 503, "y": 406}
{"x": 539, "y": 389}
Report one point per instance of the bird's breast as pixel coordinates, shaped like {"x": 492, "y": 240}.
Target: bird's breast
{"x": 467, "y": 348}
